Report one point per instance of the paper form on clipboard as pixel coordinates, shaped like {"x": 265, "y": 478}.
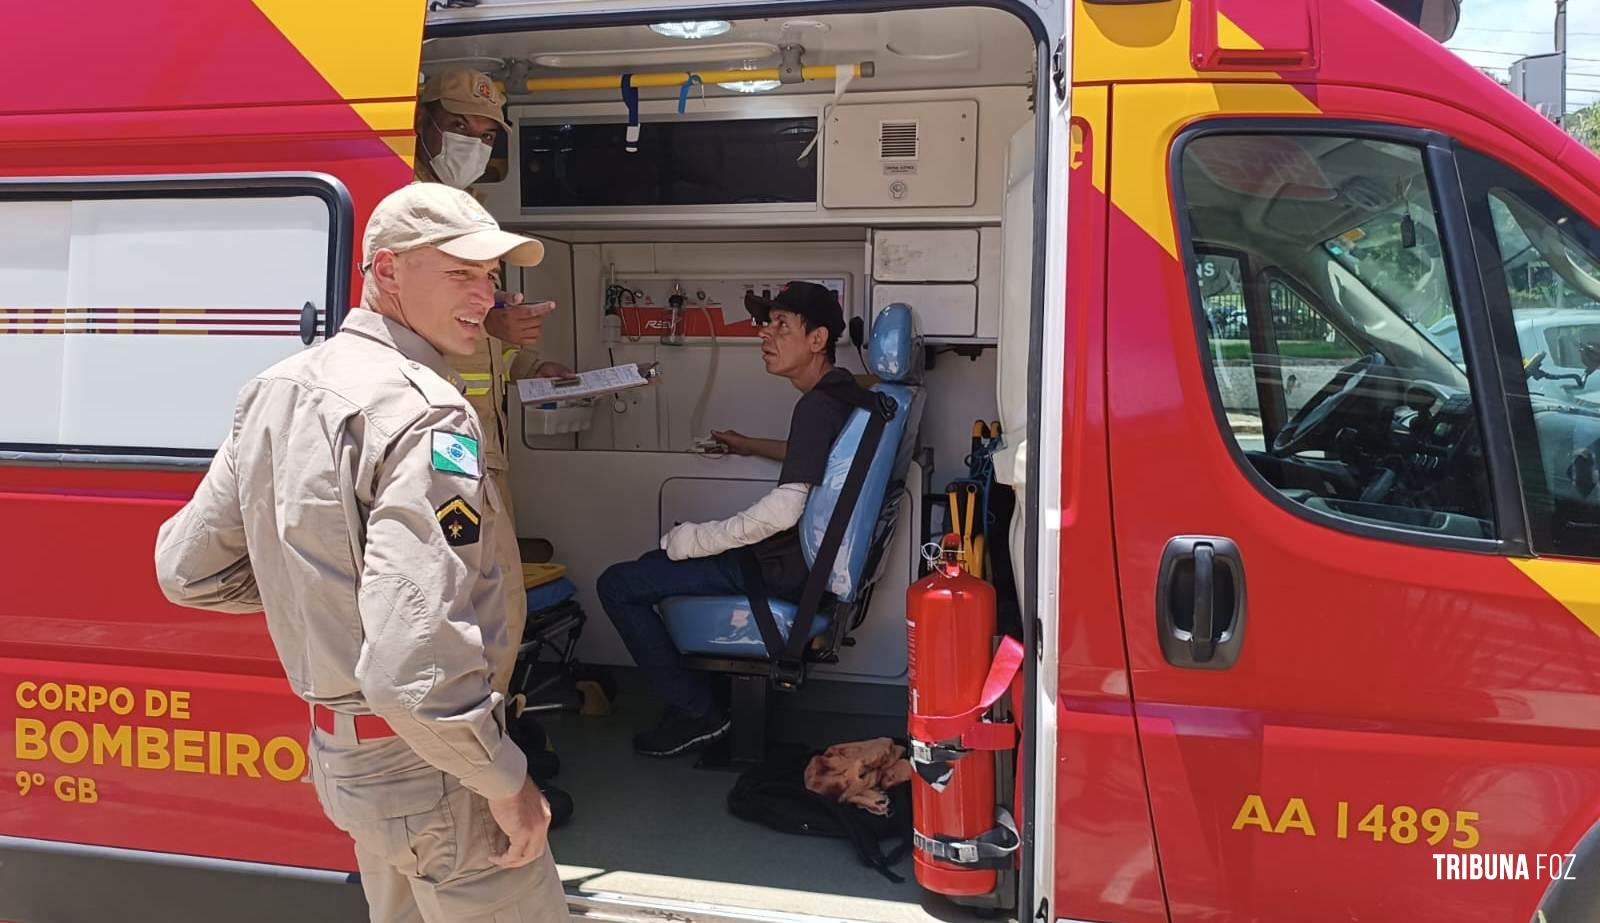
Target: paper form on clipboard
{"x": 592, "y": 383}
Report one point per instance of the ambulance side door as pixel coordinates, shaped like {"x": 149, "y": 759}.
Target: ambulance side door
{"x": 1350, "y": 675}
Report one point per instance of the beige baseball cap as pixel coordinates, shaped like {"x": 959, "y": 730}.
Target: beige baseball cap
{"x": 465, "y": 92}
{"x": 436, "y": 215}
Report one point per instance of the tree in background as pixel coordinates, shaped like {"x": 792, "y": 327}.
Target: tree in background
{"x": 1585, "y": 126}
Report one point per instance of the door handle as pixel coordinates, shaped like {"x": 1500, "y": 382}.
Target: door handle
{"x": 1200, "y": 602}
{"x": 1202, "y": 637}
{"x": 308, "y": 323}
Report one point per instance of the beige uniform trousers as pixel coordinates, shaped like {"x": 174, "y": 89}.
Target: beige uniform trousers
{"x": 423, "y": 841}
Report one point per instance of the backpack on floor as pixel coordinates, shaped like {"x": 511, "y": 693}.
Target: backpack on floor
{"x": 774, "y": 794}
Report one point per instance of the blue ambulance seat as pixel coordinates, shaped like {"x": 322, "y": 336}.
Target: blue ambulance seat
{"x": 724, "y": 626}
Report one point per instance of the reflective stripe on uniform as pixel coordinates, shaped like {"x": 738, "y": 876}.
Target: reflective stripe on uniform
{"x": 478, "y": 383}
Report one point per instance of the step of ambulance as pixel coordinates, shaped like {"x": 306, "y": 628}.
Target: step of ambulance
{"x": 624, "y": 908}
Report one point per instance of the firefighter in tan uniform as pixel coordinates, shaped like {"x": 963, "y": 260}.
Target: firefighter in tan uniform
{"x": 459, "y": 116}
{"x": 350, "y": 501}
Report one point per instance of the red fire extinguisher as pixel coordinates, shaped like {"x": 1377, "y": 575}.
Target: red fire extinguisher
{"x": 961, "y": 840}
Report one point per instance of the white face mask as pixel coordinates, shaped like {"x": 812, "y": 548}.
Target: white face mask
{"x": 460, "y": 161}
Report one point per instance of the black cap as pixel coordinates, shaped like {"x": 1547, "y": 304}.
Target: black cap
{"x": 807, "y": 299}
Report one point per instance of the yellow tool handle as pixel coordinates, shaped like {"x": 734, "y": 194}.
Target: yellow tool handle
{"x": 977, "y": 557}
{"x": 679, "y": 78}
{"x": 972, "y": 504}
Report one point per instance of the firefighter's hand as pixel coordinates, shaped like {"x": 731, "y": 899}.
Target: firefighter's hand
{"x": 525, "y": 818}
{"x": 551, "y": 370}
{"x": 517, "y": 323}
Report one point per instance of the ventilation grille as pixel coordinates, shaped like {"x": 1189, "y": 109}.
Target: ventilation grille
{"x": 898, "y": 140}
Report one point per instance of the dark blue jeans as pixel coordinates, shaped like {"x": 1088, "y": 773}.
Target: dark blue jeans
{"x": 629, "y": 593}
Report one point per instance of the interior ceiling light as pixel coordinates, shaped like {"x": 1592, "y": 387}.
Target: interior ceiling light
{"x": 680, "y": 54}
{"x": 752, "y": 86}
{"x": 692, "y": 29}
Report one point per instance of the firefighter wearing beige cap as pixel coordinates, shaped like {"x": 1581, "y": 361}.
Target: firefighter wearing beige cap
{"x": 460, "y": 113}
{"x": 350, "y": 503}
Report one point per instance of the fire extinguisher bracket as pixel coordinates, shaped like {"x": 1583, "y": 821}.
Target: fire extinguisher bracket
{"x": 993, "y": 850}
{"x": 986, "y": 737}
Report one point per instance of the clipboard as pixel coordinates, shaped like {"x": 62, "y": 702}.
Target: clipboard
{"x": 593, "y": 383}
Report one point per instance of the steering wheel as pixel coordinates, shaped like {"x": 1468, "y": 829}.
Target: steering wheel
{"x": 1324, "y": 407}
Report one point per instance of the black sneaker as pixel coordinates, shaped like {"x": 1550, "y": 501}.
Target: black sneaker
{"x": 678, "y": 733}
{"x": 560, "y": 805}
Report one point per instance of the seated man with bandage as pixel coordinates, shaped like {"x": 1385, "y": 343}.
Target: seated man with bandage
{"x": 800, "y": 328}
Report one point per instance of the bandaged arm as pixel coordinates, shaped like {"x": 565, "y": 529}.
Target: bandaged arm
{"x": 780, "y": 509}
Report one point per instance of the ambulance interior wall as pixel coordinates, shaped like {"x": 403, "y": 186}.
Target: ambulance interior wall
{"x": 608, "y": 494}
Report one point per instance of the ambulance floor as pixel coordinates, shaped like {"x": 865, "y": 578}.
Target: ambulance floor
{"x": 659, "y": 830}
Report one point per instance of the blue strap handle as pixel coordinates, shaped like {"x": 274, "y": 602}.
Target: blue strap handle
{"x": 630, "y": 98}
{"x": 683, "y": 92}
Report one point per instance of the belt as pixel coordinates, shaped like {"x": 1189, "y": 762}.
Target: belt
{"x": 368, "y": 727}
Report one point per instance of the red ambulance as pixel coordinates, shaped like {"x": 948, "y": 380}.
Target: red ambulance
{"x": 1288, "y": 317}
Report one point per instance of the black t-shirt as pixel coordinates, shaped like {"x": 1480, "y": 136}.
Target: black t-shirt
{"x": 817, "y": 421}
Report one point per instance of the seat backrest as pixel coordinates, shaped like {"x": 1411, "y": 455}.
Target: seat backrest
{"x": 895, "y": 357}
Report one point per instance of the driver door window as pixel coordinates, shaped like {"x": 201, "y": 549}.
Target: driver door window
{"x": 1540, "y": 262}
{"x": 1329, "y": 323}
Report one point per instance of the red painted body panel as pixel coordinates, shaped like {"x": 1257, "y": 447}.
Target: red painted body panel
{"x": 163, "y": 88}
{"x": 117, "y": 613}
{"x": 1105, "y": 850}
{"x": 89, "y": 58}
{"x": 202, "y": 809}
{"x": 97, "y": 618}
{"x": 1371, "y": 673}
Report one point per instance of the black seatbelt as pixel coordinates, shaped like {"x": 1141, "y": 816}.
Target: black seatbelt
{"x": 755, "y": 587}
{"x": 787, "y": 658}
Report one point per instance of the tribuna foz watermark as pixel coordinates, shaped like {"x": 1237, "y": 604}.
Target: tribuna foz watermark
{"x": 1504, "y": 866}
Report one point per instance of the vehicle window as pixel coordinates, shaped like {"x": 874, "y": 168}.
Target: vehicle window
{"x": 1542, "y": 272}
{"x": 132, "y": 319}
{"x": 1397, "y": 254}
{"x": 1307, "y": 343}
{"x": 1325, "y": 298}
{"x": 1220, "y": 278}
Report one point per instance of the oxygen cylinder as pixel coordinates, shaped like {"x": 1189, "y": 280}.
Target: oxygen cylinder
{"x": 950, "y": 629}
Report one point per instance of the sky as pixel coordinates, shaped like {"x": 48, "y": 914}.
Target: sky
{"x": 1494, "y": 33}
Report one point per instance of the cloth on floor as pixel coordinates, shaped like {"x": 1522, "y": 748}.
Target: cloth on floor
{"x": 859, "y": 773}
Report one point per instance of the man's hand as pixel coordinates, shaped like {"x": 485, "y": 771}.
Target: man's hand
{"x": 682, "y": 542}
{"x": 525, "y": 818}
{"x": 517, "y": 323}
{"x": 740, "y": 444}
{"x": 551, "y": 370}
{"x": 735, "y": 442}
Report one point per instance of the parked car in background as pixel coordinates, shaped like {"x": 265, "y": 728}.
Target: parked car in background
{"x": 1558, "y": 333}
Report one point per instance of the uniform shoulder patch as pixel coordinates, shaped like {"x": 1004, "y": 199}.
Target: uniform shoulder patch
{"x": 459, "y": 521}
{"x": 456, "y": 453}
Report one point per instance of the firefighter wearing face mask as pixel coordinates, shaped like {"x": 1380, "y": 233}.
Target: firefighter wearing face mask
{"x": 459, "y": 117}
